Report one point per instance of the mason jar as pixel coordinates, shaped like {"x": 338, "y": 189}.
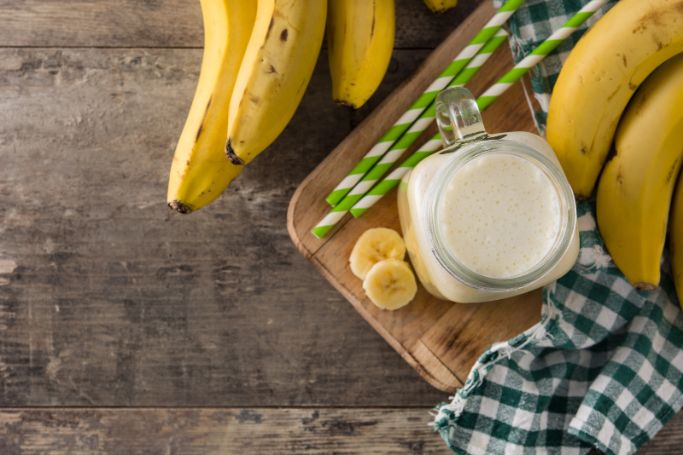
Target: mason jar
{"x": 489, "y": 216}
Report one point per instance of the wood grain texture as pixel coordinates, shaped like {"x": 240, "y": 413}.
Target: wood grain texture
{"x": 102, "y": 284}
{"x": 219, "y": 432}
{"x": 440, "y": 340}
{"x": 367, "y": 431}
{"x": 169, "y": 23}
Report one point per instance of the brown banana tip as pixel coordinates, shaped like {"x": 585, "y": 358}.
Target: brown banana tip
{"x": 232, "y": 156}
{"x": 180, "y": 207}
{"x": 645, "y": 287}
{"x": 346, "y": 104}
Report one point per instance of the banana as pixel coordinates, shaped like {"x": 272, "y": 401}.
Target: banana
{"x": 360, "y": 40}
{"x": 275, "y": 71}
{"x": 440, "y": 6}
{"x": 600, "y": 76}
{"x": 634, "y": 194}
{"x": 390, "y": 284}
{"x": 200, "y": 172}
{"x": 373, "y": 246}
{"x": 676, "y": 241}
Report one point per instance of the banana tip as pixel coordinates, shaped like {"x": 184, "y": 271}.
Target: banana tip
{"x": 645, "y": 287}
{"x": 232, "y": 156}
{"x": 345, "y": 103}
{"x": 180, "y": 207}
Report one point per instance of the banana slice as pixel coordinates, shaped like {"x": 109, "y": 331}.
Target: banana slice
{"x": 375, "y": 245}
{"x": 390, "y": 284}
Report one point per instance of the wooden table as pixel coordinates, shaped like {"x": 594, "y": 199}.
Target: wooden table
{"x": 125, "y": 328}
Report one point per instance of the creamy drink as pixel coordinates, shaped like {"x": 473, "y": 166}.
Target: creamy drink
{"x": 485, "y": 223}
{"x": 499, "y": 215}
{"x": 489, "y": 216}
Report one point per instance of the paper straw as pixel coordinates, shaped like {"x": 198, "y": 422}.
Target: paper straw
{"x": 485, "y": 100}
{"x": 423, "y": 102}
{"x": 419, "y": 127}
{"x": 538, "y": 54}
{"x": 394, "y": 178}
{"x": 338, "y": 212}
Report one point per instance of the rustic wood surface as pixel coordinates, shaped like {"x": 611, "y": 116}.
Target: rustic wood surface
{"x": 219, "y": 432}
{"x": 195, "y": 431}
{"x": 110, "y": 302}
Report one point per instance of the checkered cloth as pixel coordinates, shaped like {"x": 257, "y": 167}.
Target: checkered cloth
{"x": 603, "y": 367}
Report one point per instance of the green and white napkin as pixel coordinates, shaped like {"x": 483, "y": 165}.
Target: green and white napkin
{"x": 603, "y": 367}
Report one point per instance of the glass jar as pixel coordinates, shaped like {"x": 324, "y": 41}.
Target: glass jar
{"x": 489, "y": 216}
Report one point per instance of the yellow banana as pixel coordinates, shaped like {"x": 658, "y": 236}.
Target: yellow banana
{"x": 634, "y": 194}
{"x": 599, "y": 77}
{"x": 676, "y": 241}
{"x": 440, "y": 6}
{"x": 360, "y": 40}
{"x": 275, "y": 71}
{"x": 200, "y": 172}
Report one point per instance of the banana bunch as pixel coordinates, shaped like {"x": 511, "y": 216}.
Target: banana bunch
{"x": 599, "y": 78}
{"x": 621, "y": 89}
{"x": 258, "y": 59}
{"x": 636, "y": 186}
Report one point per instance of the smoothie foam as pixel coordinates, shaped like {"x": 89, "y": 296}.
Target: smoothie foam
{"x": 499, "y": 215}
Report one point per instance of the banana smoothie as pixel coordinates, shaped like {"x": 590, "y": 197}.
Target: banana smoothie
{"x": 491, "y": 220}
{"x": 499, "y": 215}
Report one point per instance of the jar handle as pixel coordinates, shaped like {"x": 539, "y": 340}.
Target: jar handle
{"x": 458, "y": 116}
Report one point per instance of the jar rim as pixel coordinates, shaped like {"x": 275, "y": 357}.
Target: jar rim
{"x": 464, "y": 153}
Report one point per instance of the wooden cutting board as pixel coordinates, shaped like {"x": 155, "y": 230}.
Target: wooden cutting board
{"x": 441, "y": 340}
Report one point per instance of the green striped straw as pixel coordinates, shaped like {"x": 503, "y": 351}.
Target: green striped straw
{"x": 423, "y": 102}
{"x": 338, "y": 212}
{"x": 485, "y": 100}
{"x": 419, "y": 127}
{"x": 538, "y": 54}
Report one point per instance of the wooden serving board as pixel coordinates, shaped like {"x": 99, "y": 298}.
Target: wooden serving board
{"x": 441, "y": 340}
